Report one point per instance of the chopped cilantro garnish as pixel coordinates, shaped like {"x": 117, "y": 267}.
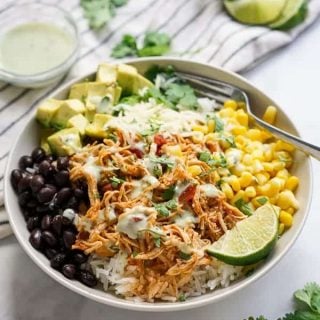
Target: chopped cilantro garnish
{"x": 157, "y": 170}
{"x": 115, "y": 182}
{"x": 262, "y": 200}
{"x": 205, "y": 156}
{"x": 163, "y": 160}
{"x": 165, "y": 207}
{"x": 229, "y": 139}
{"x": 157, "y": 241}
{"x": 184, "y": 256}
{"x": 213, "y": 160}
{"x": 244, "y": 207}
{"x": 182, "y": 297}
{"x": 169, "y": 193}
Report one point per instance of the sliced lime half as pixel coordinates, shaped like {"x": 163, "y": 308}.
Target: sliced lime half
{"x": 250, "y": 240}
{"x": 294, "y": 12}
{"x": 255, "y": 11}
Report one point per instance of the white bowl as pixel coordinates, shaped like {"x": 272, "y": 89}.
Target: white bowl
{"x": 29, "y": 138}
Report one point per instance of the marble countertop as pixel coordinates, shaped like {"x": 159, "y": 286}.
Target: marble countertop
{"x": 291, "y": 77}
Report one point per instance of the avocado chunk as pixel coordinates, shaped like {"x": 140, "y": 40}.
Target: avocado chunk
{"x": 130, "y": 80}
{"x": 44, "y": 134}
{"x": 46, "y": 111}
{"x": 80, "y": 122}
{"x": 65, "y": 142}
{"x": 96, "y": 128}
{"x": 66, "y": 110}
{"x": 107, "y": 73}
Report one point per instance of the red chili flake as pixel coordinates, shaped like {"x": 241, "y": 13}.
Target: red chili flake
{"x": 137, "y": 152}
{"x": 188, "y": 194}
{"x": 136, "y": 219}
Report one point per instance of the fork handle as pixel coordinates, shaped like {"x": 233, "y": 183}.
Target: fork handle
{"x": 304, "y": 146}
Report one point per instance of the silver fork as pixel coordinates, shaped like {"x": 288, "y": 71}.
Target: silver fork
{"x": 220, "y": 92}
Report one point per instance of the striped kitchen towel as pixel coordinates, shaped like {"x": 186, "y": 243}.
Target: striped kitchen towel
{"x": 199, "y": 29}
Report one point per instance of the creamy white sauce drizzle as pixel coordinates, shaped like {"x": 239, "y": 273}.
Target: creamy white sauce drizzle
{"x": 92, "y": 168}
{"x": 210, "y": 190}
{"x": 185, "y": 219}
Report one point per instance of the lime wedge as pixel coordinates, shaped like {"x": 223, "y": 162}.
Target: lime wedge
{"x": 294, "y": 12}
{"x": 250, "y": 240}
{"x": 255, "y": 11}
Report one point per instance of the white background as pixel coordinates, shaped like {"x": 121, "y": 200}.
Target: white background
{"x": 292, "y": 78}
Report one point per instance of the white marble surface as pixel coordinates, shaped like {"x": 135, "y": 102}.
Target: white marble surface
{"x": 291, "y": 77}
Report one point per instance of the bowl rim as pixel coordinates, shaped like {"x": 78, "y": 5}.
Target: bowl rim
{"x": 144, "y": 306}
{"x": 9, "y": 76}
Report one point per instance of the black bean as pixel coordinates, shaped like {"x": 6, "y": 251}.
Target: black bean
{"x": 46, "y": 194}
{"x": 32, "y": 203}
{"x": 78, "y": 257}
{"x": 49, "y": 238}
{"x": 32, "y": 223}
{"x": 23, "y": 198}
{"x": 69, "y": 270}
{"x": 42, "y": 208}
{"x": 50, "y": 158}
{"x": 50, "y": 253}
{"x": 62, "y": 163}
{"x": 63, "y": 196}
{"x": 26, "y": 214}
{"x": 66, "y": 222}
{"x": 24, "y": 183}
{"x": 36, "y": 239}
{"x": 46, "y": 222}
{"x": 38, "y": 154}
{"x": 78, "y": 193}
{"x": 16, "y": 176}
{"x": 58, "y": 260}
{"x": 36, "y": 183}
{"x": 25, "y": 162}
{"x": 87, "y": 278}
{"x": 45, "y": 168}
{"x": 73, "y": 203}
{"x": 57, "y": 224}
{"x": 61, "y": 178}
{"x": 69, "y": 238}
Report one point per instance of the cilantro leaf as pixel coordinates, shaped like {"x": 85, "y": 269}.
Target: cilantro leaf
{"x": 301, "y": 315}
{"x": 310, "y": 295}
{"x": 184, "y": 256}
{"x": 169, "y": 193}
{"x": 126, "y": 47}
{"x": 99, "y": 12}
{"x": 163, "y": 160}
{"x": 182, "y": 297}
{"x": 219, "y": 124}
{"x": 115, "y": 182}
{"x": 157, "y": 241}
{"x": 244, "y": 207}
{"x": 165, "y": 208}
{"x": 154, "y": 44}
{"x": 182, "y": 95}
{"x": 213, "y": 161}
{"x": 262, "y": 200}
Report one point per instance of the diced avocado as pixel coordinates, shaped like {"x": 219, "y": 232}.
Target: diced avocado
{"x": 117, "y": 94}
{"x": 130, "y": 80}
{"x": 67, "y": 110}
{"x": 79, "y": 91}
{"x": 107, "y": 73}
{"x": 46, "y": 110}
{"x": 96, "y": 129}
{"x": 65, "y": 142}
{"x": 45, "y": 133}
{"x": 80, "y": 122}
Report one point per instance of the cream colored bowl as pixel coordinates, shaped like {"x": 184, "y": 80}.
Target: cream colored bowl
{"x": 29, "y": 138}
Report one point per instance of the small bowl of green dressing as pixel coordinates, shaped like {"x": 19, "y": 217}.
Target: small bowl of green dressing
{"x": 38, "y": 44}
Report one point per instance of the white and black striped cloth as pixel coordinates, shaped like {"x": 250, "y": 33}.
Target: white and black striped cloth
{"x": 199, "y": 29}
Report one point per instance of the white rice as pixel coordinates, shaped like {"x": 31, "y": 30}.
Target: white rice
{"x": 111, "y": 274}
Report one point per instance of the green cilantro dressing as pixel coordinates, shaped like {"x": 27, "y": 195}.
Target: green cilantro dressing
{"x": 35, "y": 47}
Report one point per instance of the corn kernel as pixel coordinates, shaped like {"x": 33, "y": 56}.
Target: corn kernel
{"x": 226, "y": 113}
{"x": 278, "y": 165}
{"x": 211, "y": 125}
{"x": 239, "y": 195}
{"x": 247, "y": 159}
{"x": 257, "y": 166}
{"x": 286, "y": 218}
{"x": 254, "y": 134}
{"x": 284, "y": 146}
{"x": 291, "y": 210}
{"x": 238, "y": 130}
{"x": 230, "y": 104}
{"x": 227, "y": 190}
{"x": 262, "y": 178}
{"x": 273, "y": 200}
{"x": 245, "y": 179}
{"x": 287, "y": 199}
{"x": 260, "y": 201}
{"x": 264, "y": 189}
{"x": 238, "y": 169}
{"x": 250, "y": 192}
{"x": 281, "y": 229}
{"x": 174, "y": 151}
{"x": 267, "y": 166}
{"x": 211, "y": 137}
{"x": 197, "y": 137}
{"x": 292, "y": 183}
{"x": 194, "y": 170}
{"x": 258, "y": 154}
{"x": 235, "y": 183}
{"x": 242, "y": 118}
{"x": 265, "y": 135}
{"x": 270, "y": 115}
{"x": 283, "y": 174}
{"x": 203, "y": 129}
{"x": 268, "y": 155}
